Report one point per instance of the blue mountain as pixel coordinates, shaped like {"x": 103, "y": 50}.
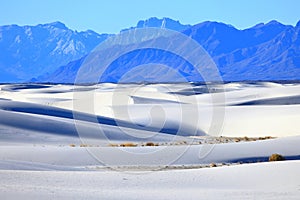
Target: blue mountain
{"x": 54, "y": 53}
{"x": 160, "y": 23}
{"x": 29, "y": 51}
{"x": 264, "y": 52}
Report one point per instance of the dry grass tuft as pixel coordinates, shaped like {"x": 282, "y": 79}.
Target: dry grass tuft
{"x": 150, "y": 144}
{"x": 276, "y": 157}
{"x": 212, "y": 165}
{"x": 113, "y": 145}
{"x": 266, "y": 138}
{"x": 72, "y": 145}
{"x": 237, "y": 140}
{"x": 128, "y": 144}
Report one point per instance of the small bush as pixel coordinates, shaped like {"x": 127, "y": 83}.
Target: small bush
{"x": 237, "y": 140}
{"x": 213, "y": 165}
{"x": 83, "y": 145}
{"x": 113, "y": 145}
{"x": 276, "y": 157}
{"x": 150, "y": 144}
{"x": 265, "y": 138}
{"x": 184, "y": 142}
{"x": 129, "y": 144}
{"x": 72, "y": 145}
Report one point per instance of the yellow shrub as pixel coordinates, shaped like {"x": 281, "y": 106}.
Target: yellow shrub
{"x": 276, "y": 157}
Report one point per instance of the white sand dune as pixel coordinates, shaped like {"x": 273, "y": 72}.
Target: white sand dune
{"x": 248, "y": 111}
{"x": 41, "y": 118}
{"x": 39, "y": 122}
{"x": 251, "y": 110}
{"x": 161, "y": 156}
{"x": 279, "y": 180}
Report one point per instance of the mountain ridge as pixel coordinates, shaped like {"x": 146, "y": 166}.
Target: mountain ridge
{"x": 34, "y": 50}
{"x": 265, "y": 51}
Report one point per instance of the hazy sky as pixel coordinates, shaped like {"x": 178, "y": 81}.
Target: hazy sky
{"x": 110, "y": 16}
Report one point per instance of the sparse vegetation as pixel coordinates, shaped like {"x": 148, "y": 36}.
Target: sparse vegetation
{"x": 265, "y": 138}
{"x": 113, "y": 145}
{"x": 204, "y": 140}
{"x": 212, "y": 165}
{"x": 128, "y": 144}
{"x": 237, "y": 140}
{"x": 150, "y": 144}
{"x": 276, "y": 157}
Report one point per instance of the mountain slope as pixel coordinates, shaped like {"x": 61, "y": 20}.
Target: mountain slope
{"x": 28, "y": 51}
{"x": 264, "y": 52}
{"x": 54, "y": 53}
{"x": 160, "y": 23}
{"x": 275, "y": 59}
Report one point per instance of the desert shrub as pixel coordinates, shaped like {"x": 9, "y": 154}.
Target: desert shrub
{"x": 128, "y": 144}
{"x": 266, "y": 138}
{"x": 276, "y": 157}
{"x": 150, "y": 144}
{"x": 179, "y": 143}
{"x": 72, "y": 145}
{"x": 213, "y": 165}
{"x": 237, "y": 140}
{"x": 83, "y": 145}
{"x": 113, "y": 145}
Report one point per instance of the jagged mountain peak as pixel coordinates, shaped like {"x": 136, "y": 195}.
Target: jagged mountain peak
{"x": 56, "y": 24}
{"x": 274, "y": 22}
{"x": 264, "y": 51}
{"x": 29, "y": 51}
{"x": 212, "y": 24}
{"x": 164, "y": 22}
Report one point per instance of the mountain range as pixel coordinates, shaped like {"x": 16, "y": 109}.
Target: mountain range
{"x": 54, "y": 53}
{"x": 29, "y": 51}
